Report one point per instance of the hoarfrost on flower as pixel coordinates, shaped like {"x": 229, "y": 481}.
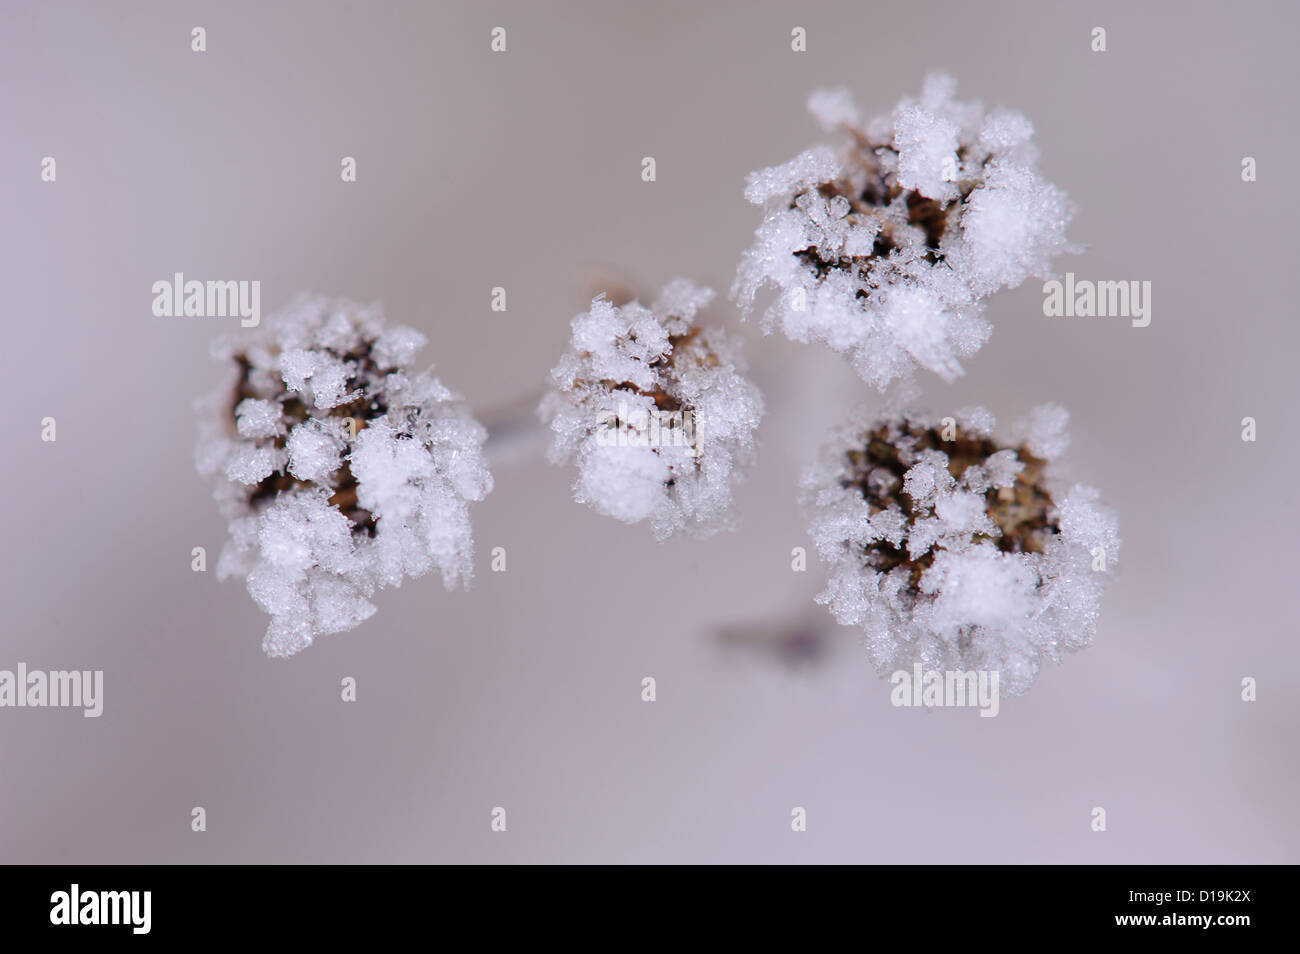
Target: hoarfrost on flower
{"x": 959, "y": 554}
{"x": 655, "y": 411}
{"x": 885, "y": 247}
{"x": 343, "y": 470}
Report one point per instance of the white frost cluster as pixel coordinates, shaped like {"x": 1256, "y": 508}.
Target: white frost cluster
{"x": 340, "y": 470}
{"x": 884, "y": 247}
{"x": 956, "y": 553}
{"x": 655, "y": 411}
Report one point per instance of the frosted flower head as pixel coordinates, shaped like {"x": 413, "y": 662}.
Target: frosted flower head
{"x": 957, "y": 552}
{"x": 655, "y": 412}
{"x": 885, "y": 246}
{"x": 339, "y": 468}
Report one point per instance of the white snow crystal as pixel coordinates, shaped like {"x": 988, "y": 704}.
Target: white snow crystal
{"x": 315, "y": 447}
{"x": 959, "y": 554}
{"x": 396, "y": 347}
{"x": 655, "y": 411}
{"x": 885, "y": 247}
{"x": 1044, "y": 432}
{"x": 834, "y": 109}
{"x": 927, "y": 152}
{"x": 344, "y": 471}
{"x": 249, "y": 463}
{"x": 328, "y": 376}
{"x": 256, "y": 418}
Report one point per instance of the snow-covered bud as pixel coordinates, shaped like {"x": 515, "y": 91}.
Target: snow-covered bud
{"x": 956, "y": 552}
{"x": 340, "y": 470}
{"x": 655, "y": 411}
{"x": 884, "y": 247}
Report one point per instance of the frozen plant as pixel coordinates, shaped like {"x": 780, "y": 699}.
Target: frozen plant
{"x": 950, "y": 550}
{"x": 885, "y": 246}
{"x": 655, "y": 411}
{"x": 340, "y": 469}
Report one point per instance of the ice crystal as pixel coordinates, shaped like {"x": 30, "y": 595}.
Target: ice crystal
{"x": 950, "y": 550}
{"x": 340, "y": 470}
{"x": 655, "y": 411}
{"x": 884, "y": 247}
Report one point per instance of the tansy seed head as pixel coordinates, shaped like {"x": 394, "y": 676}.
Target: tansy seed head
{"x": 655, "y": 411}
{"x": 885, "y": 247}
{"x": 342, "y": 470}
{"x": 955, "y": 551}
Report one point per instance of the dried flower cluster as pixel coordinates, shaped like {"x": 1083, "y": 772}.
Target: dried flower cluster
{"x": 884, "y": 247}
{"x": 655, "y": 411}
{"x": 340, "y": 470}
{"x": 955, "y": 552}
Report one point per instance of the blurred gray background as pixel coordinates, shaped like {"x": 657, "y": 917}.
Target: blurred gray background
{"x": 522, "y": 170}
